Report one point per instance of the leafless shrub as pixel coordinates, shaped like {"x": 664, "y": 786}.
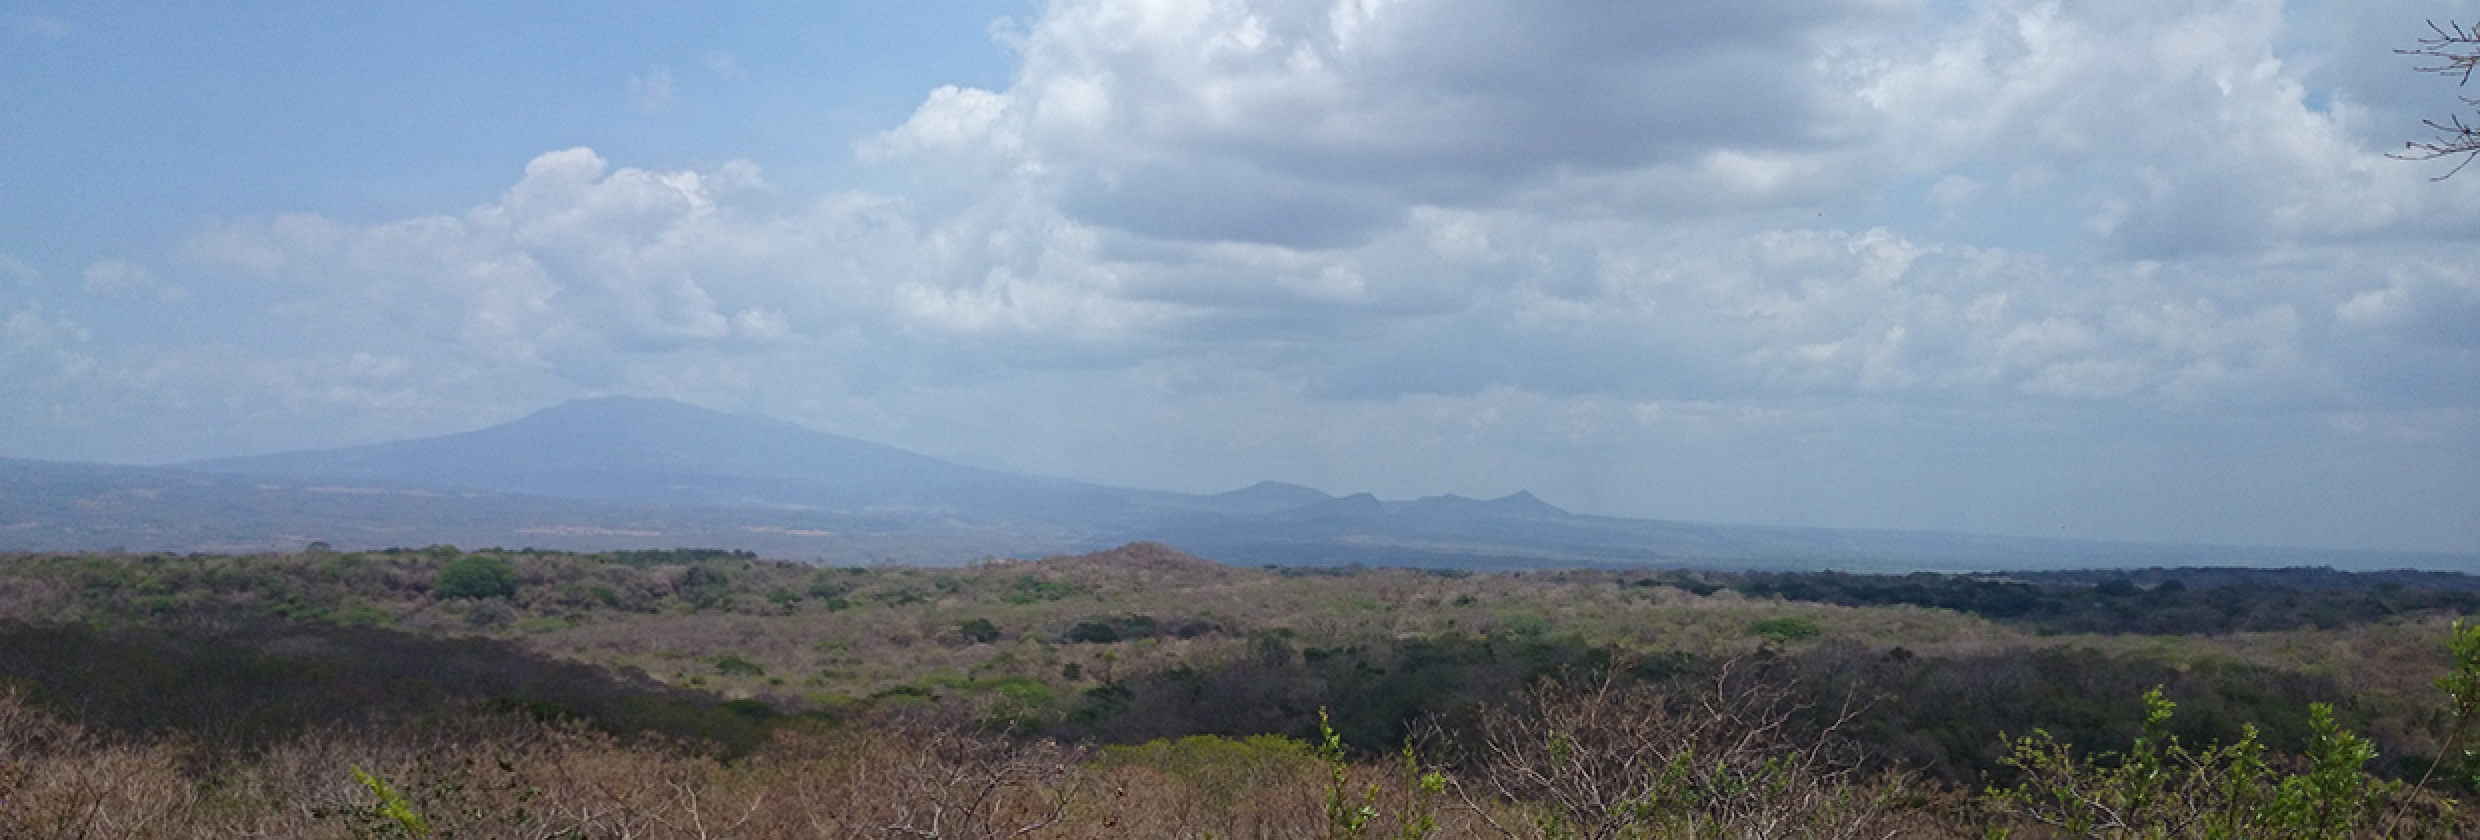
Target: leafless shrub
{"x": 1142, "y": 801}
{"x": 1198, "y": 786}
{"x": 488, "y": 779}
{"x": 592, "y": 786}
{"x": 1593, "y": 758}
{"x": 905, "y": 779}
{"x": 58, "y": 781}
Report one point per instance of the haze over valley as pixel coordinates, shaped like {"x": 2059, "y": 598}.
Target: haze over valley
{"x": 638, "y": 473}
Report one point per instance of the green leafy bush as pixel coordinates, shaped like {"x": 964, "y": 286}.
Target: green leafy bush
{"x": 1029, "y": 589}
{"x": 1789, "y": 628}
{"x": 2160, "y": 788}
{"x": 734, "y": 665}
{"x": 822, "y": 585}
{"x": 675, "y": 556}
{"x": 755, "y": 710}
{"x": 478, "y": 576}
{"x": 1093, "y": 632}
{"x": 393, "y": 816}
{"x": 704, "y": 587}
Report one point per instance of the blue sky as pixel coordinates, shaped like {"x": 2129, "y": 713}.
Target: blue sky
{"x": 2119, "y": 269}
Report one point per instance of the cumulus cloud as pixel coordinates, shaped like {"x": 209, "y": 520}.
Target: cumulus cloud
{"x": 1345, "y": 194}
{"x": 576, "y": 258}
{"x": 582, "y": 267}
{"x": 2169, "y": 127}
{"x": 2150, "y": 129}
{"x": 1315, "y": 123}
{"x": 1383, "y": 232}
{"x": 952, "y": 120}
{"x": 2153, "y": 188}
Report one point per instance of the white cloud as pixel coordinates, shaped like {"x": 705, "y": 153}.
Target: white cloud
{"x": 125, "y": 280}
{"x": 2419, "y": 302}
{"x": 1314, "y": 133}
{"x": 953, "y": 119}
{"x": 1953, "y": 194}
{"x": 30, "y": 328}
{"x": 1314, "y": 123}
{"x": 20, "y": 273}
{"x": 652, "y": 92}
{"x": 2151, "y": 128}
{"x": 593, "y": 272}
{"x": 1374, "y": 199}
{"x": 367, "y": 366}
{"x": 43, "y": 349}
{"x": 119, "y": 278}
{"x": 1415, "y": 247}
{"x": 2170, "y": 127}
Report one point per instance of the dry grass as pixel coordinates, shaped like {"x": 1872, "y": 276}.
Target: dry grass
{"x": 58, "y": 781}
{"x": 899, "y": 779}
{"x": 1601, "y": 761}
{"x": 853, "y": 633}
{"x": 1594, "y": 760}
{"x": 894, "y": 628}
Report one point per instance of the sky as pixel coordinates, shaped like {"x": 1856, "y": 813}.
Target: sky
{"x": 2106, "y": 269}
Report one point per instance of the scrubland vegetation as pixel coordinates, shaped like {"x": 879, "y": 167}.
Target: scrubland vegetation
{"x": 1144, "y": 693}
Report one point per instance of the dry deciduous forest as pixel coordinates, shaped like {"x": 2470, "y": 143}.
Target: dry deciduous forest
{"x": 1141, "y": 692}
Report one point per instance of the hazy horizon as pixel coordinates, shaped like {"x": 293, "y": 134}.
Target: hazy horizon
{"x": 2115, "y": 270}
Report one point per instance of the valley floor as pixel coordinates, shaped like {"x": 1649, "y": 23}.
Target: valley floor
{"x": 1143, "y": 692}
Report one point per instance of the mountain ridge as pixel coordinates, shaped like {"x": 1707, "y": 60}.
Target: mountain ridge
{"x": 578, "y": 447}
{"x": 633, "y": 472}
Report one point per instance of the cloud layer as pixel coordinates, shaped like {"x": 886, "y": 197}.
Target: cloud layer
{"x": 2114, "y": 268}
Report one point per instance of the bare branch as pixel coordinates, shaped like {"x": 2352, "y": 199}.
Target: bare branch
{"x": 2455, "y": 46}
{"x": 2455, "y": 52}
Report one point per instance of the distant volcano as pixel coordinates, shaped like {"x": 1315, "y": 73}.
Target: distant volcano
{"x": 625, "y": 472}
{"x": 657, "y": 451}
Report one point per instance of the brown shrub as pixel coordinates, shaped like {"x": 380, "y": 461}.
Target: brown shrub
{"x": 1203, "y": 785}
{"x": 56, "y": 780}
{"x": 909, "y": 779}
{"x": 1592, "y": 758}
